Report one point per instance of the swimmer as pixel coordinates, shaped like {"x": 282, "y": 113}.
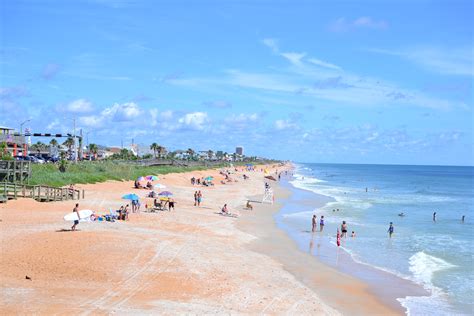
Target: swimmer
{"x": 401, "y": 214}
{"x": 353, "y": 234}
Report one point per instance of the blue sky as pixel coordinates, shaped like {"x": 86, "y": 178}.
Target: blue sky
{"x": 328, "y": 81}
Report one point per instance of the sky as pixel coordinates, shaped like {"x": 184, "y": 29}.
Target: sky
{"x": 387, "y": 82}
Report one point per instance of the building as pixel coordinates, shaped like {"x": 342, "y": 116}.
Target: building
{"x": 15, "y": 142}
{"x": 239, "y": 150}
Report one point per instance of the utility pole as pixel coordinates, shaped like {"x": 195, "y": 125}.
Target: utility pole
{"x": 75, "y": 145}
{"x": 81, "y": 144}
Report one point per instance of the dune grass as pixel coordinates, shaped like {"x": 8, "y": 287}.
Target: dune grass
{"x": 93, "y": 172}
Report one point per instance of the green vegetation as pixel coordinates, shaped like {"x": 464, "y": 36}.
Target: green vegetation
{"x": 99, "y": 171}
{"x": 4, "y": 153}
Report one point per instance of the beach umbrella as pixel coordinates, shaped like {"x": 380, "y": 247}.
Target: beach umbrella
{"x": 270, "y": 178}
{"x": 209, "y": 178}
{"x": 131, "y": 196}
{"x": 165, "y": 193}
{"x": 140, "y": 179}
{"x": 160, "y": 186}
{"x": 151, "y": 178}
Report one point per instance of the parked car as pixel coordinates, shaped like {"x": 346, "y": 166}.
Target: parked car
{"x": 40, "y": 160}
{"x": 53, "y": 159}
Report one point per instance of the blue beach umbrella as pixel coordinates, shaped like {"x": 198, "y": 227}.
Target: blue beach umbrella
{"x": 131, "y": 196}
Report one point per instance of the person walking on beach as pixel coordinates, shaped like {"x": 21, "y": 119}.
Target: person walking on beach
{"x": 344, "y": 229}
{"x": 321, "y": 223}
{"x": 315, "y": 223}
{"x": 195, "y": 197}
{"x": 434, "y": 217}
{"x": 390, "y": 230}
{"x": 171, "y": 204}
{"x": 76, "y": 222}
{"x": 199, "y": 198}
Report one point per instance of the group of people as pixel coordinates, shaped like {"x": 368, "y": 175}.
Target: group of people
{"x": 201, "y": 181}
{"x": 136, "y": 206}
{"x": 169, "y": 203}
{"x": 340, "y": 233}
{"x": 138, "y": 185}
{"x": 123, "y": 212}
{"x": 197, "y": 198}
{"x": 315, "y": 223}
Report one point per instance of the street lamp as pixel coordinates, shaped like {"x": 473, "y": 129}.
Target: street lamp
{"x": 21, "y": 126}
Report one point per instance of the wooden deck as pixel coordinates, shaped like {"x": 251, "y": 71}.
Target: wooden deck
{"x": 15, "y": 171}
{"x": 40, "y": 193}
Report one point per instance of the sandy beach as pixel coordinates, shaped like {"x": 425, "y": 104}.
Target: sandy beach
{"x": 190, "y": 260}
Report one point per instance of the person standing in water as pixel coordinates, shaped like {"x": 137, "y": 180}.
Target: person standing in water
{"x": 390, "y": 230}
{"x": 434, "y": 217}
{"x": 338, "y": 238}
{"x": 344, "y": 229}
{"x": 321, "y": 224}
{"x": 462, "y": 219}
{"x": 314, "y": 223}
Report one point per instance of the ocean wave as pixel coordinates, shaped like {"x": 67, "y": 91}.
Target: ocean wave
{"x": 423, "y": 267}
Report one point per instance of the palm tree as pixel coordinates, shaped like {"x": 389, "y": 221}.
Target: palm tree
{"x": 161, "y": 151}
{"x": 93, "y": 150}
{"x": 154, "y": 147}
{"x": 190, "y": 153}
{"x": 53, "y": 142}
{"x": 210, "y": 153}
{"x": 69, "y": 142}
{"x": 38, "y": 147}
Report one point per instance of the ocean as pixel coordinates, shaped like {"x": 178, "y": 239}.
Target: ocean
{"x": 437, "y": 255}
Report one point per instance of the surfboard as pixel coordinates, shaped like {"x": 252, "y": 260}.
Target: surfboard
{"x": 83, "y": 215}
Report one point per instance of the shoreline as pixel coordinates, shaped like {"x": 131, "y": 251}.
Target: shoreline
{"x": 380, "y": 282}
{"x": 183, "y": 261}
{"x": 340, "y": 290}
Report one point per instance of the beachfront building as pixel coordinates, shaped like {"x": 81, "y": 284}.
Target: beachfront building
{"x": 239, "y": 150}
{"x": 15, "y": 142}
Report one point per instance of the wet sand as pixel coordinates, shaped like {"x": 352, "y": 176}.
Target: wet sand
{"x": 191, "y": 260}
{"x": 342, "y": 284}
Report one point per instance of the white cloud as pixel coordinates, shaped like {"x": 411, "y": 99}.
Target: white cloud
{"x": 154, "y": 117}
{"x": 343, "y": 24}
{"x": 271, "y": 43}
{"x": 454, "y": 61}
{"x": 167, "y": 115}
{"x": 321, "y": 63}
{"x": 294, "y": 58}
{"x": 122, "y": 112}
{"x": 194, "y": 120}
{"x": 284, "y": 124}
{"x": 94, "y": 121}
{"x": 79, "y": 106}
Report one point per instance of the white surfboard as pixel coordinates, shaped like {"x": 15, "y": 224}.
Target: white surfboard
{"x": 83, "y": 215}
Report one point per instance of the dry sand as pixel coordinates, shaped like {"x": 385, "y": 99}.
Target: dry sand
{"x": 191, "y": 260}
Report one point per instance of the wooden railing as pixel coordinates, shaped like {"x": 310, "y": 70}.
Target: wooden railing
{"x": 40, "y": 193}
{"x": 15, "y": 171}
